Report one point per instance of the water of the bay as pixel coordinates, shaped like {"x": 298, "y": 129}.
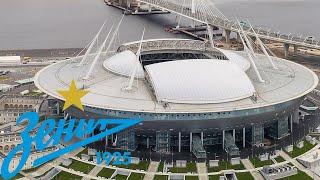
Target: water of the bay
{"x": 42, "y": 24}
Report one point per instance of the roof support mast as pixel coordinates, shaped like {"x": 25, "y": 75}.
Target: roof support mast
{"x": 129, "y": 87}
{"x": 251, "y": 59}
{"x": 193, "y": 6}
{"x": 94, "y": 62}
{"x": 114, "y": 35}
{"x": 263, "y": 48}
{"x": 210, "y": 32}
{"x": 246, "y": 39}
{"x": 91, "y": 45}
{"x": 97, "y": 56}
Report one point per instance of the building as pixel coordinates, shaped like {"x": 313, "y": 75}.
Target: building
{"x": 278, "y": 172}
{"x": 13, "y": 106}
{"x": 190, "y": 95}
{"x": 310, "y": 160}
{"x": 10, "y": 59}
{"x": 5, "y": 87}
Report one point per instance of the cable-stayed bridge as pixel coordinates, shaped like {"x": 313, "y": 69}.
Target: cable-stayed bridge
{"x": 204, "y": 11}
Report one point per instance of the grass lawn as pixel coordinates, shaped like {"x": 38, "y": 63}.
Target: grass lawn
{"x": 120, "y": 177}
{"x": 160, "y": 167}
{"x": 222, "y": 166}
{"x": 299, "y": 176}
{"x": 279, "y": 159}
{"x": 257, "y": 163}
{"x": 143, "y": 165}
{"x": 18, "y": 176}
{"x": 66, "y": 176}
{"x": 106, "y": 172}
{"x": 244, "y": 176}
{"x": 192, "y": 178}
{"x": 4, "y": 77}
{"x": 34, "y": 93}
{"x": 80, "y": 166}
{"x": 85, "y": 151}
{"x": 215, "y": 177}
{"x": 191, "y": 167}
{"x": 297, "y": 151}
{"x": 136, "y": 176}
{"x": 160, "y": 177}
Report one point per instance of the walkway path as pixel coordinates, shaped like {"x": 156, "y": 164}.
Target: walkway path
{"x": 46, "y": 167}
{"x": 202, "y": 171}
{"x": 273, "y": 160}
{"x": 153, "y": 168}
{"x": 79, "y": 173}
{"x": 94, "y": 171}
{"x": 248, "y": 165}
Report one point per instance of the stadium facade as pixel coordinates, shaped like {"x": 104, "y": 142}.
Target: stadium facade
{"x": 189, "y": 94}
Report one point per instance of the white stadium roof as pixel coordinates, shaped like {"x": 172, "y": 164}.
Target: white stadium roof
{"x": 123, "y": 64}
{"x": 199, "y": 81}
{"x": 236, "y": 58}
{"x": 187, "y": 86}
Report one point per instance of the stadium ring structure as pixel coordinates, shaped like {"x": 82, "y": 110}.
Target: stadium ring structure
{"x": 190, "y": 95}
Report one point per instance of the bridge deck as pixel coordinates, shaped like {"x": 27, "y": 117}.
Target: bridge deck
{"x": 205, "y": 12}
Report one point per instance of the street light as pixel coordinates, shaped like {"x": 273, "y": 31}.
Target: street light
{"x": 268, "y": 32}
{"x": 172, "y": 155}
{"x": 227, "y": 161}
{"x": 150, "y": 152}
{"x": 259, "y": 29}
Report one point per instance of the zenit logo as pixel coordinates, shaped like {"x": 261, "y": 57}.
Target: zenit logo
{"x": 56, "y": 130}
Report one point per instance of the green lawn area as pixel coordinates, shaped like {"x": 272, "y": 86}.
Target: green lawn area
{"x": 297, "y": 151}
{"x": 192, "y": 177}
{"x": 33, "y": 93}
{"x": 160, "y": 167}
{"x": 66, "y": 176}
{"x": 136, "y": 176}
{"x": 160, "y": 177}
{"x": 257, "y": 163}
{"x": 85, "y": 151}
{"x": 279, "y": 159}
{"x": 120, "y": 177}
{"x": 299, "y": 176}
{"x": 106, "y": 172}
{"x": 215, "y": 177}
{"x": 143, "y": 165}
{"x": 244, "y": 176}
{"x": 191, "y": 167}
{"x": 4, "y": 77}
{"x": 18, "y": 176}
{"x": 80, "y": 166}
{"x": 222, "y": 166}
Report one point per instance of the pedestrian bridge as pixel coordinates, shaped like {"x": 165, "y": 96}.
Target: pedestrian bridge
{"x": 204, "y": 11}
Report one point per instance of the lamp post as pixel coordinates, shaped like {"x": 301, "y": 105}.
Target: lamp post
{"x": 150, "y": 152}
{"x": 172, "y": 154}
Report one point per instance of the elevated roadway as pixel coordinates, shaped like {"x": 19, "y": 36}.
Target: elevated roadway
{"x": 204, "y": 11}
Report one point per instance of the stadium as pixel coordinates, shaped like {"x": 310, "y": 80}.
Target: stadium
{"x": 190, "y": 94}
